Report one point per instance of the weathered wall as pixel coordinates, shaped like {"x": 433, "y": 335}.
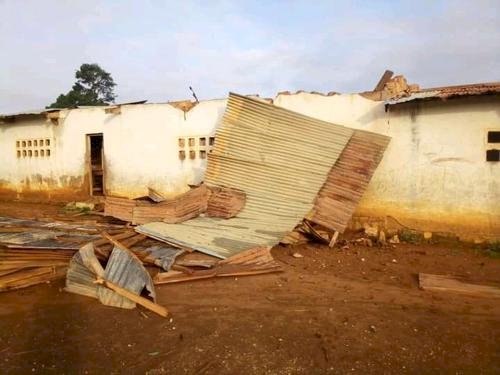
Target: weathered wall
{"x": 434, "y": 175}
{"x": 140, "y": 150}
{"x": 141, "y": 147}
{"x": 58, "y": 176}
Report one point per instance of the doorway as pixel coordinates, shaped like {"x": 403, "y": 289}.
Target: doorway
{"x": 95, "y": 151}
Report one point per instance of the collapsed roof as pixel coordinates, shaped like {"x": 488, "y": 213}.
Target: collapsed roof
{"x": 280, "y": 159}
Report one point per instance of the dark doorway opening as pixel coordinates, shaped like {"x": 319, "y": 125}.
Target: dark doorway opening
{"x": 96, "y": 163}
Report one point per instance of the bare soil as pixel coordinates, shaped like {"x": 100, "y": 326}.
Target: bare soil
{"x": 357, "y": 310}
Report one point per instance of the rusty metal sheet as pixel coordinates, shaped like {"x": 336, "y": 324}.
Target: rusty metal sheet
{"x": 448, "y": 92}
{"x": 279, "y": 158}
{"x": 348, "y": 180}
{"x": 121, "y": 269}
{"x": 127, "y": 272}
{"x": 22, "y": 238}
{"x": 79, "y": 279}
{"x": 164, "y": 257}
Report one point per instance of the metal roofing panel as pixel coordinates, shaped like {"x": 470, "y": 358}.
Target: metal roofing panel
{"x": 127, "y": 272}
{"x": 448, "y": 92}
{"x": 279, "y": 158}
{"x": 348, "y": 180}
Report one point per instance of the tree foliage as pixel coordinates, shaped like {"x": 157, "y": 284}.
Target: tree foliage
{"x": 93, "y": 86}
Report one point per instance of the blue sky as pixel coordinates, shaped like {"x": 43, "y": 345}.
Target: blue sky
{"x": 155, "y": 50}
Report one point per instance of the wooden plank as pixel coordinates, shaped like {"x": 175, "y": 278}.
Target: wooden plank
{"x": 446, "y": 283}
{"x": 120, "y": 245}
{"x": 160, "y": 310}
{"x": 334, "y": 239}
{"x": 120, "y": 236}
{"x": 155, "y": 196}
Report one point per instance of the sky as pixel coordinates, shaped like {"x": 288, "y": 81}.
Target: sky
{"x": 155, "y": 50}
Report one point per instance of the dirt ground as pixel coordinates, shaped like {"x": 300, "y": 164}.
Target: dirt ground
{"x": 356, "y": 311}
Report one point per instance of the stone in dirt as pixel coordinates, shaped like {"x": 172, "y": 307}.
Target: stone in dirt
{"x": 297, "y": 255}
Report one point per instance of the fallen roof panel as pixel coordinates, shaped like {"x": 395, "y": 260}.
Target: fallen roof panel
{"x": 448, "y": 92}
{"x": 279, "y": 158}
{"x": 348, "y": 180}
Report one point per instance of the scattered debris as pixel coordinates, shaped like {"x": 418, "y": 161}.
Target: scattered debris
{"x": 155, "y": 196}
{"x": 250, "y": 262}
{"x": 34, "y": 252}
{"x": 225, "y": 202}
{"x": 119, "y": 284}
{"x": 215, "y": 201}
{"x": 447, "y": 283}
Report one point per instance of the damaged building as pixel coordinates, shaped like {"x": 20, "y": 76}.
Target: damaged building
{"x": 439, "y": 173}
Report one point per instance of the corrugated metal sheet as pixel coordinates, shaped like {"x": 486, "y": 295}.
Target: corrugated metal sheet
{"x": 127, "y": 272}
{"x": 448, "y": 92}
{"x": 279, "y": 158}
{"x": 348, "y": 180}
{"x": 122, "y": 269}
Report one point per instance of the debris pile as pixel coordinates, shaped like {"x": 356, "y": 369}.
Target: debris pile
{"x": 116, "y": 270}
{"x": 214, "y": 201}
{"x": 34, "y": 252}
{"x": 271, "y": 170}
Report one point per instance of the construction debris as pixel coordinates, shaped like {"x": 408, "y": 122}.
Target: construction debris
{"x": 119, "y": 284}
{"x": 301, "y": 169}
{"x": 249, "y": 262}
{"x": 445, "y": 283}
{"x": 140, "y": 211}
{"x": 225, "y": 202}
{"x": 155, "y": 196}
{"x": 34, "y": 252}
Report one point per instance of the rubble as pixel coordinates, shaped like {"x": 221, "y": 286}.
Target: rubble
{"x": 294, "y": 178}
{"x": 215, "y": 201}
{"x": 34, "y": 252}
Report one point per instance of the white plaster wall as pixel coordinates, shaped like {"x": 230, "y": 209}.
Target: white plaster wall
{"x": 140, "y": 149}
{"x": 40, "y": 173}
{"x": 433, "y": 175}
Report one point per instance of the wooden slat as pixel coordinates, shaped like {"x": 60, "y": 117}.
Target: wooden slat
{"x": 446, "y": 283}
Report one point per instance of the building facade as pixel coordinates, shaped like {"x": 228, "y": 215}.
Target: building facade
{"x": 440, "y": 172}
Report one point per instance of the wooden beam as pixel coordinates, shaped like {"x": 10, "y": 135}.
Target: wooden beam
{"x": 160, "y": 310}
{"x": 334, "y": 239}
{"x": 447, "y": 283}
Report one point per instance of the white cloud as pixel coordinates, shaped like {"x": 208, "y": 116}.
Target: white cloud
{"x": 155, "y": 50}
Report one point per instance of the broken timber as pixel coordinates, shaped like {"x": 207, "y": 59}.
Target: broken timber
{"x": 446, "y": 283}
{"x": 250, "y": 262}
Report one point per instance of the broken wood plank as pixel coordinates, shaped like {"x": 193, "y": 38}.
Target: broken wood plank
{"x": 160, "y": 310}
{"x": 120, "y": 245}
{"x": 155, "y": 196}
{"x": 129, "y": 242}
{"x": 121, "y": 236}
{"x": 28, "y": 277}
{"x": 446, "y": 283}
{"x": 334, "y": 239}
{"x": 250, "y": 262}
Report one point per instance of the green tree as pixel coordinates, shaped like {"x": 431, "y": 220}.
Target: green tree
{"x": 93, "y": 86}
